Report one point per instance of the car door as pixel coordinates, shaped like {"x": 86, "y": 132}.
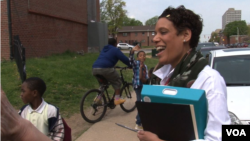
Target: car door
{"x": 122, "y": 46}
{"x": 125, "y": 46}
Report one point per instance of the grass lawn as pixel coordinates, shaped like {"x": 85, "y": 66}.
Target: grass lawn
{"x": 67, "y": 76}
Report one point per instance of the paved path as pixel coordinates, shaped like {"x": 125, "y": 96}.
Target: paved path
{"x": 107, "y": 130}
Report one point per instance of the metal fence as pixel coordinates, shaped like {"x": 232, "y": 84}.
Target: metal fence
{"x": 19, "y": 55}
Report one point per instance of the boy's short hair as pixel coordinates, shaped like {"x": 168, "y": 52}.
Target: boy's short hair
{"x": 35, "y": 83}
{"x": 140, "y": 52}
{"x": 112, "y": 41}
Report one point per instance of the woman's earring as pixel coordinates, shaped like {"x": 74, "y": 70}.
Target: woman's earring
{"x": 184, "y": 40}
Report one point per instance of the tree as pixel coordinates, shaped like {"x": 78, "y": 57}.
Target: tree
{"x": 232, "y": 28}
{"x": 152, "y": 21}
{"x": 112, "y": 13}
{"x": 131, "y": 22}
{"x": 214, "y": 37}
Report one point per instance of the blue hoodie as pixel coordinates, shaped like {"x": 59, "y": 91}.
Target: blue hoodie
{"x": 109, "y": 56}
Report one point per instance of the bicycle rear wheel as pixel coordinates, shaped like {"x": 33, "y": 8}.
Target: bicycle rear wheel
{"x": 128, "y": 93}
{"x": 93, "y": 109}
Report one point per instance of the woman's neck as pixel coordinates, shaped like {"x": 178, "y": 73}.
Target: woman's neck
{"x": 186, "y": 52}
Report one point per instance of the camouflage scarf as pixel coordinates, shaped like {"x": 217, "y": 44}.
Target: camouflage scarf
{"x": 187, "y": 70}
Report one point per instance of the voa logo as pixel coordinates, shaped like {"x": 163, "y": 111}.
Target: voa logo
{"x": 236, "y": 132}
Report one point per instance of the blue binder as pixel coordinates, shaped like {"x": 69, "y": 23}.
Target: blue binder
{"x": 179, "y": 95}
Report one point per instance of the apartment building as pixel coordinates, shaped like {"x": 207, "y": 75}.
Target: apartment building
{"x": 229, "y": 16}
{"x": 136, "y": 34}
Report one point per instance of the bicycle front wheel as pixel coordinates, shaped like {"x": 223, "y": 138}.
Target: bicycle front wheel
{"x": 128, "y": 93}
{"x": 92, "y": 107}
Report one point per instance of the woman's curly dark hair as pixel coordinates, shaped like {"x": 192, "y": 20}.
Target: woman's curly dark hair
{"x": 182, "y": 19}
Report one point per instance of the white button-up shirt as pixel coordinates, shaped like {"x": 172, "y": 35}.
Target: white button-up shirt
{"x": 214, "y": 85}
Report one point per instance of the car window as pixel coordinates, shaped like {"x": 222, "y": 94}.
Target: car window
{"x": 234, "y": 69}
{"x": 204, "y": 52}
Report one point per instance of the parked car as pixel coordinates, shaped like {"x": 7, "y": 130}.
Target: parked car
{"x": 205, "y": 50}
{"x": 234, "y": 65}
{"x": 231, "y": 46}
{"x": 244, "y": 45}
{"x": 124, "y": 46}
{"x": 216, "y": 44}
{"x": 238, "y": 45}
{"x": 208, "y": 44}
{"x": 227, "y": 45}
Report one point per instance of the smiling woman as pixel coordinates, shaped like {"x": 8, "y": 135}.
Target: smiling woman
{"x": 177, "y": 33}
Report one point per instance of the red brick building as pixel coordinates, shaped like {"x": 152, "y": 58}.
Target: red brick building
{"x": 47, "y": 26}
{"x": 234, "y": 39}
{"x": 131, "y": 34}
{"x": 5, "y": 48}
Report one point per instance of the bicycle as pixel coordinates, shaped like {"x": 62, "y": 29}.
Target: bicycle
{"x": 94, "y": 103}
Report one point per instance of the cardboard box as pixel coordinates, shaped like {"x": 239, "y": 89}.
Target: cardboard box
{"x": 179, "y": 95}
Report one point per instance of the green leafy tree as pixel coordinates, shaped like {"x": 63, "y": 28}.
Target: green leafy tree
{"x": 112, "y": 13}
{"x": 152, "y": 21}
{"x": 214, "y": 37}
{"x": 131, "y": 22}
{"x": 233, "y": 28}
{"x": 135, "y": 22}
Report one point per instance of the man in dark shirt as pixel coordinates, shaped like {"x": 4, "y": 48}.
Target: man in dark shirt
{"x": 104, "y": 65}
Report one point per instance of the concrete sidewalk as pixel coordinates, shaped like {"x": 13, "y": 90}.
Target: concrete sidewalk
{"x": 107, "y": 130}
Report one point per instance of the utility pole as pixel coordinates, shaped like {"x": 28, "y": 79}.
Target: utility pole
{"x": 148, "y": 37}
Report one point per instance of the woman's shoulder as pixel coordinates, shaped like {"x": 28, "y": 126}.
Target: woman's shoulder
{"x": 209, "y": 72}
{"x": 210, "y": 80}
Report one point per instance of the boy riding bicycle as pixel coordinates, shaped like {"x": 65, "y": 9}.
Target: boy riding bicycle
{"x": 104, "y": 65}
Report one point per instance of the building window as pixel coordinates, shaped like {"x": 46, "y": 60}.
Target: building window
{"x": 120, "y": 41}
{"x": 136, "y": 34}
{"x": 153, "y": 33}
{"x": 124, "y": 34}
{"x": 143, "y": 33}
{"x": 143, "y": 41}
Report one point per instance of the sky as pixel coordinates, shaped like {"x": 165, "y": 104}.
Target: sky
{"x": 211, "y": 11}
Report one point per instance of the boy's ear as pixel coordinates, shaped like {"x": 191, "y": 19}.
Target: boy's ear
{"x": 35, "y": 93}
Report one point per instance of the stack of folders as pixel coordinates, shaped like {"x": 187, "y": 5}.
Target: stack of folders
{"x": 173, "y": 113}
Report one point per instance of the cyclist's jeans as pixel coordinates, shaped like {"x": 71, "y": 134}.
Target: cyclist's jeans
{"x": 110, "y": 74}
{"x": 138, "y": 96}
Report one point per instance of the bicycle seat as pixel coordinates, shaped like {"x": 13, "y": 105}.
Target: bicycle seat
{"x": 101, "y": 79}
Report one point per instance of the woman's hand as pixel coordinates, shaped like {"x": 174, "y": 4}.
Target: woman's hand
{"x": 147, "y": 136}
{"x": 10, "y": 120}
